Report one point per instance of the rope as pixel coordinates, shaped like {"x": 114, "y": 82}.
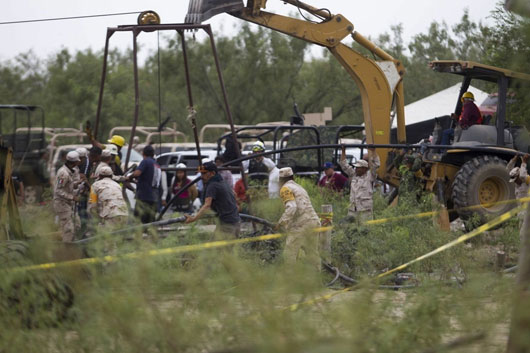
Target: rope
{"x": 159, "y": 95}
{"x": 70, "y": 18}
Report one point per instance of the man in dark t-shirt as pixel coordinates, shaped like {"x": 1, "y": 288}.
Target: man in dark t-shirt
{"x": 218, "y": 197}
{"x": 145, "y": 207}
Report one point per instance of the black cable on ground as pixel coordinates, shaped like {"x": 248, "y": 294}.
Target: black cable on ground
{"x": 337, "y": 276}
{"x": 511, "y": 269}
{"x": 350, "y": 280}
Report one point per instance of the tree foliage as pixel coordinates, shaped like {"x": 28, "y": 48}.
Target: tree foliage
{"x": 265, "y": 73}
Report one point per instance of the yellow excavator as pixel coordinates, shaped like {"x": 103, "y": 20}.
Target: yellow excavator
{"x": 464, "y": 176}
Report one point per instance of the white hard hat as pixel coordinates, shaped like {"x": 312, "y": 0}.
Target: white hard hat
{"x": 82, "y": 152}
{"x": 106, "y": 153}
{"x": 181, "y": 166}
{"x": 258, "y": 146}
{"x": 105, "y": 171}
{"x": 514, "y": 174}
{"x": 72, "y": 156}
{"x": 113, "y": 149}
{"x": 286, "y": 172}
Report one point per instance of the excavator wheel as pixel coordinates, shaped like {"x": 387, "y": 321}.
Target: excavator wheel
{"x": 30, "y": 299}
{"x": 481, "y": 188}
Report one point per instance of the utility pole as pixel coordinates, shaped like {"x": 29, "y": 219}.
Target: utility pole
{"x": 519, "y": 339}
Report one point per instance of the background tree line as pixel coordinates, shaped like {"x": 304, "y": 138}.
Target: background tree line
{"x": 265, "y": 73}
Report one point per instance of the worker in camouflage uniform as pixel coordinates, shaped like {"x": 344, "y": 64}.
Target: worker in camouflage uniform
{"x": 362, "y": 184}
{"x": 298, "y": 220}
{"x": 106, "y": 199}
{"x": 104, "y": 161}
{"x": 65, "y": 196}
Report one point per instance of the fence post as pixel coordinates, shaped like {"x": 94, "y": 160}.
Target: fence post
{"x": 325, "y": 237}
{"x": 519, "y": 340}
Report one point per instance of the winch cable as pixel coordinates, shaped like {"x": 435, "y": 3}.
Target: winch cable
{"x": 159, "y": 95}
{"x": 70, "y": 18}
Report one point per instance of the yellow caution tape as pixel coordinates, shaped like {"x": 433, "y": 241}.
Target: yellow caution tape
{"x": 156, "y": 252}
{"x": 502, "y": 218}
{"x": 432, "y": 213}
{"x": 224, "y": 243}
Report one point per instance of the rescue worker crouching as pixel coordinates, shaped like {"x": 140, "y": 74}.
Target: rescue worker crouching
{"x": 218, "y": 197}
{"x": 298, "y": 221}
{"x": 65, "y": 196}
{"x": 106, "y": 200}
{"x": 362, "y": 184}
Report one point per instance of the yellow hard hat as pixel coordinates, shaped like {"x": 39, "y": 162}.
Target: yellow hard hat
{"x": 117, "y": 140}
{"x": 468, "y": 95}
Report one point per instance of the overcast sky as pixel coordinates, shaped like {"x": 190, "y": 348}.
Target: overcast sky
{"x": 369, "y": 18}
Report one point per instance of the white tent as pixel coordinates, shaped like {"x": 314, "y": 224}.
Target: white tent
{"x": 438, "y": 104}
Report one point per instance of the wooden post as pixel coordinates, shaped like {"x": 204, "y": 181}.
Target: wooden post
{"x": 441, "y": 218}
{"x": 500, "y": 261}
{"x": 325, "y": 237}
{"x": 519, "y": 339}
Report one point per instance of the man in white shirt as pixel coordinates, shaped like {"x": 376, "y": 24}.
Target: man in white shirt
{"x": 263, "y": 165}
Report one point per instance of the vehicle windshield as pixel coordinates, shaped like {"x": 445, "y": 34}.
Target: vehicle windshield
{"x": 135, "y": 156}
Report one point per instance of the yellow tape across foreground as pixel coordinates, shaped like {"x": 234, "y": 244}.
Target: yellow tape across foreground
{"x": 225, "y": 243}
{"x": 432, "y": 213}
{"x": 502, "y": 218}
{"x": 156, "y": 252}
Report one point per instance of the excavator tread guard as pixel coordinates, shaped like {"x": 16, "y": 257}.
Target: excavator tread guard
{"x": 201, "y": 10}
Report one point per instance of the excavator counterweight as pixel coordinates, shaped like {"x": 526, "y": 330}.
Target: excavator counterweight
{"x": 201, "y": 10}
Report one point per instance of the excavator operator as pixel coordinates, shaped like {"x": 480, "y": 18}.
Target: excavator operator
{"x": 470, "y": 116}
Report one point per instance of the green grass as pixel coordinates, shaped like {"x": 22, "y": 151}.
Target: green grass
{"x": 229, "y": 300}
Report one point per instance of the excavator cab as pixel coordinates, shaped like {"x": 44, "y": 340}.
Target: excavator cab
{"x": 498, "y": 132}
{"x": 479, "y": 176}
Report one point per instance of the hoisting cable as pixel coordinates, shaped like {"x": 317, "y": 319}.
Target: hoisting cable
{"x": 159, "y": 96}
{"x": 70, "y": 18}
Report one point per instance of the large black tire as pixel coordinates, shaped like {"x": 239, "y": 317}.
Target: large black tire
{"x": 482, "y": 180}
{"x": 30, "y": 299}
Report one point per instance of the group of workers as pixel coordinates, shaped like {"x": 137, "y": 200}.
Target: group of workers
{"x": 91, "y": 183}
{"x": 89, "y": 186}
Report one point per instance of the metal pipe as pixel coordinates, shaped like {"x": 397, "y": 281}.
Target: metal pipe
{"x": 102, "y": 84}
{"x": 136, "y": 97}
{"x": 191, "y": 109}
{"x": 355, "y": 145}
{"x": 228, "y": 112}
{"x": 501, "y": 109}
{"x": 138, "y": 227}
{"x": 167, "y": 222}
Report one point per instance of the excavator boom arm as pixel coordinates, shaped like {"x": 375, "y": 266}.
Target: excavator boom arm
{"x": 380, "y": 82}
